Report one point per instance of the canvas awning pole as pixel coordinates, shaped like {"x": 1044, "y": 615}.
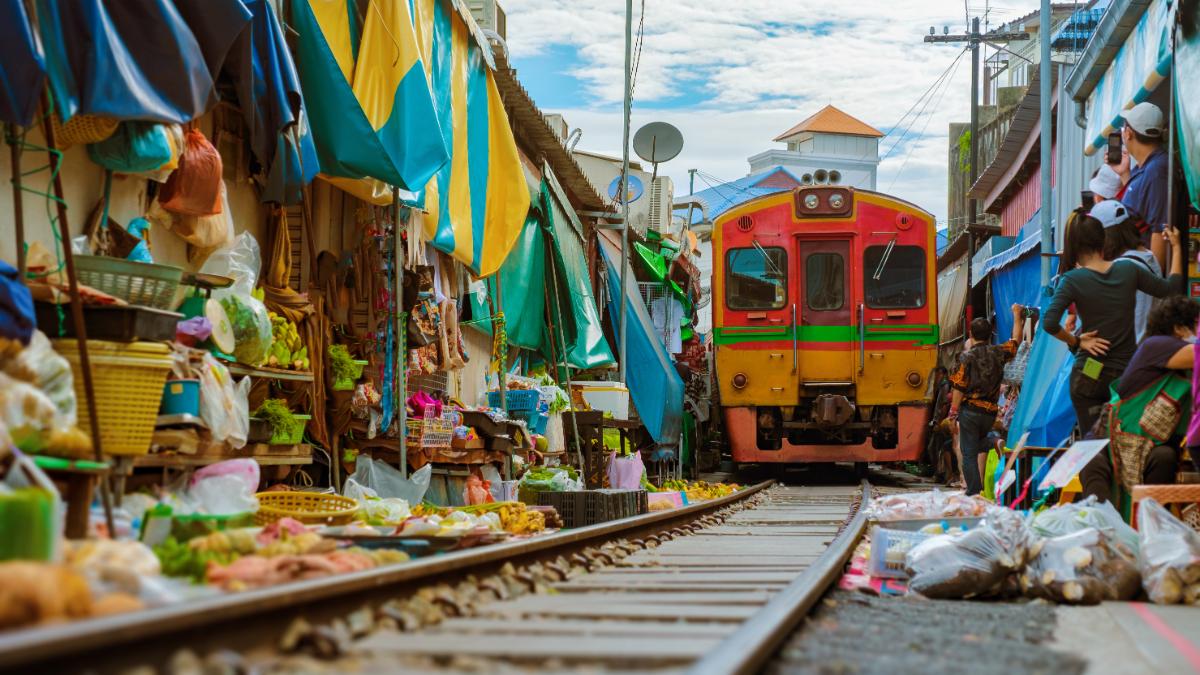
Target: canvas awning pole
{"x": 85, "y": 363}
{"x": 18, "y": 206}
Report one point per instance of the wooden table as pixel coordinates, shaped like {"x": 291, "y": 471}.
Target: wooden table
{"x": 80, "y": 479}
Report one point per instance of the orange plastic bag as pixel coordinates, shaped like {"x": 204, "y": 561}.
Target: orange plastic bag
{"x": 194, "y": 189}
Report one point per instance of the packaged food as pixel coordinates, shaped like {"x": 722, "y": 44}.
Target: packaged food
{"x": 1085, "y": 567}
{"x": 1169, "y": 557}
{"x": 931, "y": 504}
{"x": 977, "y": 562}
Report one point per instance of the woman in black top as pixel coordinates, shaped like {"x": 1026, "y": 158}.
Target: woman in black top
{"x": 1104, "y": 295}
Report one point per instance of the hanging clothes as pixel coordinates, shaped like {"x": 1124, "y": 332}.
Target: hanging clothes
{"x": 667, "y": 315}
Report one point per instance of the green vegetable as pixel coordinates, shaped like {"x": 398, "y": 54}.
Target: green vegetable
{"x": 251, "y": 328}
{"x": 282, "y": 421}
{"x": 180, "y": 560}
{"x": 343, "y": 366}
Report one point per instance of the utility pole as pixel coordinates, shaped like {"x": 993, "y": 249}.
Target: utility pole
{"x": 973, "y": 39}
{"x": 692, "y": 181}
{"x": 1045, "y": 31}
{"x": 622, "y": 194}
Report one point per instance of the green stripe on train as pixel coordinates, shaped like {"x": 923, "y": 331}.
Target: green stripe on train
{"x": 921, "y": 334}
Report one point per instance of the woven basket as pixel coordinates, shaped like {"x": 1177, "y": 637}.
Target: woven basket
{"x": 137, "y": 283}
{"x": 310, "y": 508}
{"x": 128, "y": 381}
{"x": 82, "y": 130}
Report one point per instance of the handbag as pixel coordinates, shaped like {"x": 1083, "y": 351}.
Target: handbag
{"x": 1014, "y": 370}
{"x": 1143, "y": 420}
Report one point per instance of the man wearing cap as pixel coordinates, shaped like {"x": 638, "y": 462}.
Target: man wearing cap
{"x": 1146, "y": 184}
{"x": 1106, "y": 183}
{"x": 1123, "y": 244}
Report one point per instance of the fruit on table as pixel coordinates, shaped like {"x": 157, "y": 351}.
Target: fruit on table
{"x": 697, "y": 490}
{"x": 287, "y": 351}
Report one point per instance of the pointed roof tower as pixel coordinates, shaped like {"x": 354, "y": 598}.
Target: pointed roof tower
{"x": 830, "y": 120}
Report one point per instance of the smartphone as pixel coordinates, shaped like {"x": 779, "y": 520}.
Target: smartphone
{"x": 1087, "y": 199}
{"x": 1114, "y": 148}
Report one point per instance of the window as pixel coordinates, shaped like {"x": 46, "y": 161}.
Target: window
{"x": 824, "y": 281}
{"x": 756, "y": 278}
{"x": 894, "y": 279}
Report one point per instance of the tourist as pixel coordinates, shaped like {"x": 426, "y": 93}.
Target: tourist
{"x": 1146, "y": 184}
{"x": 1123, "y": 244}
{"x": 1167, "y": 350}
{"x": 1103, "y": 293}
{"x": 976, "y": 386}
{"x": 1106, "y": 183}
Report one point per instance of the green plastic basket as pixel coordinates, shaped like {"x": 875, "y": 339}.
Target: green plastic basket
{"x": 137, "y": 283}
{"x": 347, "y": 383}
{"x": 278, "y": 438}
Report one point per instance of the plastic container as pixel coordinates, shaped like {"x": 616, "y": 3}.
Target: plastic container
{"x": 889, "y": 549}
{"x": 610, "y": 397}
{"x": 118, "y": 324}
{"x": 516, "y": 400}
{"x": 280, "y": 438}
{"x": 260, "y": 431}
{"x": 181, "y": 397}
{"x": 146, "y": 284}
{"x": 128, "y": 381}
{"x": 348, "y": 383}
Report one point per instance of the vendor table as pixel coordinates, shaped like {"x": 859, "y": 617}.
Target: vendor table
{"x": 80, "y": 479}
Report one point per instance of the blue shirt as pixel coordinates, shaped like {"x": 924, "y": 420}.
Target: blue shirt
{"x": 1146, "y": 194}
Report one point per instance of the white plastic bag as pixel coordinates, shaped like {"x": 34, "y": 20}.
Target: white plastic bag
{"x": 973, "y": 563}
{"x": 1169, "y": 558}
{"x": 1069, "y": 518}
{"x": 242, "y": 261}
{"x": 224, "y": 488}
{"x": 1085, "y": 567}
{"x": 373, "y": 508}
{"x": 224, "y": 403}
{"x": 387, "y": 481}
{"x": 53, "y": 374}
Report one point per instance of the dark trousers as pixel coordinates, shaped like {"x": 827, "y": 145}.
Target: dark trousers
{"x": 974, "y": 425}
{"x": 1088, "y": 396}
{"x": 1097, "y": 476}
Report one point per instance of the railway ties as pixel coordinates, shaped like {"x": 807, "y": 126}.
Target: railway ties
{"x": 659, "y": 610}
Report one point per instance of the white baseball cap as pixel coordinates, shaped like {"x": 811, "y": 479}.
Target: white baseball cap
{"x": 1110, "y": 213}
{"x": 1106, "y": 182}
{"x": 1145, "y": 118}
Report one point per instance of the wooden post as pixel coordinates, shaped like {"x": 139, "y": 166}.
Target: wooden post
{"x": 18, "y": 205}
{"x": 85, "y": 364}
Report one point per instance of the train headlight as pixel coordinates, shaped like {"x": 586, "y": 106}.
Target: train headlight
{"x": 811, "y": 201}
{"x": 914, "y": 379}
{"x": 836, "y": 201}
{"x": 740, "y": 380}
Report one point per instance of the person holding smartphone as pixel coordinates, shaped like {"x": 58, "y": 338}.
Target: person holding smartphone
{"x": 1146, "y": 184}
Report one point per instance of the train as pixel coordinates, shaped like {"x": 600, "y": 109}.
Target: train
{"x": 825, "y": 326}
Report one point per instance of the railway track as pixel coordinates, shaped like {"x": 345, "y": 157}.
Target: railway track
{"x": 715, "y": 587}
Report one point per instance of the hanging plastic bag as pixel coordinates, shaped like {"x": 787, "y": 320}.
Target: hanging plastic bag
{"x": 194, "y": 189}
{"x": 387, "y": 481}
{"x": 134, "y": 147}
{"x": 242, "y": 260}
{"x": 625, "y": 473}
{"x": 52, "y": 375}
{"x": 1169, "y": 559}
{"x": 224, "y": 404}
{"x": 1085, "y": 567}
{"x": 1091, "y": 512}
{"x": 207, "y": 232}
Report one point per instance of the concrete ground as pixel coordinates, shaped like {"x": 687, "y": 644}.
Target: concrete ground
{"x": 1131, "y": 638}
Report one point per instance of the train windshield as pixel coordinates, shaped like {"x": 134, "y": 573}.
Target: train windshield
{"x": 756, "y": 278}
{"x": 894, "y": 277}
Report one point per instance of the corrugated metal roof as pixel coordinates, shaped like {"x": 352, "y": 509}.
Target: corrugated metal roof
{"x": 720, "y": 198}
{"x": 1116, "y": 25}
{"x": 830, "y": 120}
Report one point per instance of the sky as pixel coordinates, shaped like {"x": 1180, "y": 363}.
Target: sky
{"x": 732, "y": 75}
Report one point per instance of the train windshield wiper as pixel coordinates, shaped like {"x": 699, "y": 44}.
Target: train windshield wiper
{"x": 774, "y": 269}
{"x": 887, "y": 255}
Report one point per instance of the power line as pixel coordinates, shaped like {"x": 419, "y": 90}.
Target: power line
{"x": 637, "y": 58}
{"x": 928, "y": 119}
{"x": 927, "y": 98}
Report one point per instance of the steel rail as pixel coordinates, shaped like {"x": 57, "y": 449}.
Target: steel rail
{"x": 756, "y": 641}
{"x": 245, "y": 620}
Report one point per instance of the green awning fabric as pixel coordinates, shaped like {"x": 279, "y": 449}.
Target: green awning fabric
{"x": 522, "y": 289}
{"x": 578, "y": 314}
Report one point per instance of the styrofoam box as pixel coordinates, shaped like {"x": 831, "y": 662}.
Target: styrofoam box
{"x": 610, "y": 397}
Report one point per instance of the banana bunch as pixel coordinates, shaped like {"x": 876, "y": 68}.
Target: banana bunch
{"x": 516, "y": 519}
{"x": 287, "y": 351}
{"x": 703, "y": 490}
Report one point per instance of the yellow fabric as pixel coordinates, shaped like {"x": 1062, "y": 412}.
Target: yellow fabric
{"x": 367, "y": 189}
{"x": 384, "y": 58}
{"x": 460, "y": 187}
{"x": 508, "y": 194}
{"x": 335, "y": 27}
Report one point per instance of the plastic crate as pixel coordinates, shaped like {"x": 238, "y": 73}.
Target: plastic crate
{"x": 590, "y": 507}
{"x": 280, "y": 438}
{"x": 516, "y": 400}
{"x": 137, "y": 283}
{"x": 889, "y": 548}
{"x": 117, "y": 324}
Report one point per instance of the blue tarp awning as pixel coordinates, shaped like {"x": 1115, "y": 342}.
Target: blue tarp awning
{"x": 1044, "y": 404}
{"x": 654, "y": 385}
{"x": 1030, "y": 239}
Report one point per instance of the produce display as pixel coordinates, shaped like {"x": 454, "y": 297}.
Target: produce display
{"x": 281, "y": 419}
{"x": 932, "y": 504}
{"x": 701, "y": 490}
{"x": 515, "y": 517}
{"x": 252, "y": 329}
{"x": 1169, "y": 558}
{"x": 287, "y": 351}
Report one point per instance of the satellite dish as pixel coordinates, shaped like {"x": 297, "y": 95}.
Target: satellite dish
{"x": 633, "y": 190}
{"x": 657, "y": 142}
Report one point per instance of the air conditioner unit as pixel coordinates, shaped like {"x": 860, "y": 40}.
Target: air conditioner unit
{"x": 662, "y": 197}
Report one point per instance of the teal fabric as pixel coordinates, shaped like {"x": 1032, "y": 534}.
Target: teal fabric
{"x": 522, "y": 289}
{"x": 134, "y": 147}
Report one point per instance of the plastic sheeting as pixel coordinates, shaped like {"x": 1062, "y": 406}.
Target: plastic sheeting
{"x": 952, "y": 300}
{"x": 654, "y": 385}
{"x": 1138, "y": 68}
{"x": 132, "y": 60}
{"x": 478, "y": 200}
{"x": 1187, "y": 96}
{"x": 522, "y": 289}
{"x": 570, "y": 286}
{"x": 268, "y": 93}
{"x": 368, "y": 100}
{"x": 22, "y": 68}
{"x": 1044, "y": 404}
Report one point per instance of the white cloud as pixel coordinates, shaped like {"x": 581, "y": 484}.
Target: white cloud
{"x": 761, "y": 66}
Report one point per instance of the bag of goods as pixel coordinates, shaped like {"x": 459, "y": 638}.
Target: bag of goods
{"x": 135, "y": 147}
{"x": 194, "y": 189}
{"x": 1085, "y": 568}
{"x": 242, "y": 302}
{"x": 931, "y": 504}
{"x": 476, "y": 491}
{"x": 1169, "y": 558}
{"x": 1091, "y": 512}
{"x": 977, "y": 562}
